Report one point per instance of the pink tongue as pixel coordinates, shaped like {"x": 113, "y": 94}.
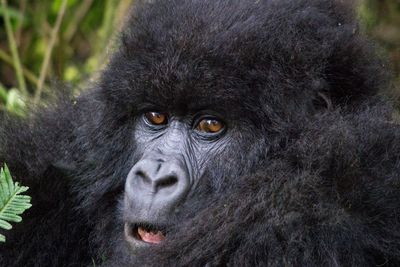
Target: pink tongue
{"x": 149, "y": 237}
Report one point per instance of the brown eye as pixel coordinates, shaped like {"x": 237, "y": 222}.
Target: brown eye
{"x": 156, "y": 118}
{"x": 210, "y": 126}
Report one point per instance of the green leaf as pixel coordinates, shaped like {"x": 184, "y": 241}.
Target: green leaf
{"x": 12, "y": 203}
{"x": 15, "y": 102}
{"x": 12, "y": 12}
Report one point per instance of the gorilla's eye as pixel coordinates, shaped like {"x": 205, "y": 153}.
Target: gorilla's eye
{"x": 156, "y": 118}
{"x": 210, "y": 125}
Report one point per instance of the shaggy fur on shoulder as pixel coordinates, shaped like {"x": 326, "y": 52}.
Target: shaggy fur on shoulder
{"x": 311, "y": 176}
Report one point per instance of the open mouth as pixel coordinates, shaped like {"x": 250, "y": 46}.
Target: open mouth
{"x": 144, "y": 232}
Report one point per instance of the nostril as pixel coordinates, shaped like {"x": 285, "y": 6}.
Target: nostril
{"x": 167, "y": 181}
{"x": 142, "y": 176}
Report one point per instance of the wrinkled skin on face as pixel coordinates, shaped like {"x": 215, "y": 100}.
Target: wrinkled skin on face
{"x": 174, "y": 151}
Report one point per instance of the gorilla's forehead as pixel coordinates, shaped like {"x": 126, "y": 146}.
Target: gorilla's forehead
{"x": 233, "y": 54}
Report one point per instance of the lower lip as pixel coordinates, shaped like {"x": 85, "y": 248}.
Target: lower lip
{"x": 150, "y": 237}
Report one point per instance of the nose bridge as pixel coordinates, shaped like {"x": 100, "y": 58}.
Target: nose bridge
{"x": 166, "y": 158}
{"x": 170, "y": 148}
{"x": 173, "y": 140}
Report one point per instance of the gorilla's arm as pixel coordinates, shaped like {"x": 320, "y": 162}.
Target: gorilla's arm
{"x": 35, "y": 148}
{"x": 31, "y": 145}
{"x": 329, "y": 199}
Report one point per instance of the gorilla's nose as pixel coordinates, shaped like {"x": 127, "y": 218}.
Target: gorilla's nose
{"x": 157, "y": 180}
{"x": 156, "y": 175}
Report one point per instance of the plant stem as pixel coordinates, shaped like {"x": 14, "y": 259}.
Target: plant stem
{"x": 46, "y": 61}
{"x": 79, "y": 16}
{"x": 30, "y": 76}
{"x": 14, "y": 51}
{"x": 3, "y": 94}
{"x": 20, "y": 22}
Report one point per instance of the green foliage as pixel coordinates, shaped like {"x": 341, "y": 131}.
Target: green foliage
{"x": 83, "y": 42}
{"x": 12, "y": 203}
{"x": 368, "y": 17}
{"x": 12, "y": 101}
{"x": 12, "y": 12}
{"x": 381, "y": 21}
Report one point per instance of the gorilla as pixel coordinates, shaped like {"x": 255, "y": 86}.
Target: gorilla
{"x": 221, "y": 133}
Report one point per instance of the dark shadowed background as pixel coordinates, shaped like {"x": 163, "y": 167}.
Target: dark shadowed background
{"x": 43, "y": 43}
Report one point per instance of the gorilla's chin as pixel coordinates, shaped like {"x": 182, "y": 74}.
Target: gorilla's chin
{"x": 140, "y": 235}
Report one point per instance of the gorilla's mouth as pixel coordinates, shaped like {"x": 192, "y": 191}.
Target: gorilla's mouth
{"x": 144, "y": 232}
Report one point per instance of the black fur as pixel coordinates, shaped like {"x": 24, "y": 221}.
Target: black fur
{"x": 311, "y": 176}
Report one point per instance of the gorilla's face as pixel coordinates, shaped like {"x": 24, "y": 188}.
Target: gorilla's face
{"x": 173, "y": 152}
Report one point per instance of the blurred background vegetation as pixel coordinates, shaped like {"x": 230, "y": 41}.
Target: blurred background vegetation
{"x": 44, "y": 41}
